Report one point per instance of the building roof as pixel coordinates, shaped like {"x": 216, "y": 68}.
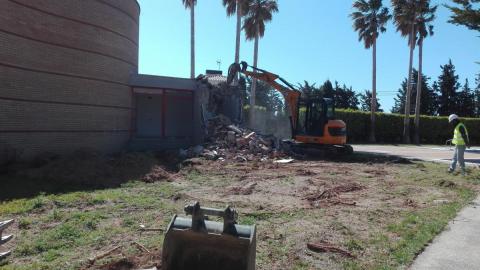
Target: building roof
{"x": 152, "y": 81}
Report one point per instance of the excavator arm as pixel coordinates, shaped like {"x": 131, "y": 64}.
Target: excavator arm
{"x": 290, "y": 94}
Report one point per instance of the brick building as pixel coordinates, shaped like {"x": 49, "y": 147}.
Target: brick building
{"x": 68, "y": 80}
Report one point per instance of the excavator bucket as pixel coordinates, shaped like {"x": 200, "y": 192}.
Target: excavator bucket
{"x": 197, "y": 244}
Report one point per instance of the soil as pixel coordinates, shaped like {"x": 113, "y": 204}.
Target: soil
{"x": 86, "y": 169}
{"x": 143, "y": 260}
{"x": 342, "y": 205}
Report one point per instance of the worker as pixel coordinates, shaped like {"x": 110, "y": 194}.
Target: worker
{"x": 461, "y": 142}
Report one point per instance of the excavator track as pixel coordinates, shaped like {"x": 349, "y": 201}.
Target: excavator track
{"x": 317, "y": 150}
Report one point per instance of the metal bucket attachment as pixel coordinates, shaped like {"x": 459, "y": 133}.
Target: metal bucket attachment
{"x": 197, "y": 244}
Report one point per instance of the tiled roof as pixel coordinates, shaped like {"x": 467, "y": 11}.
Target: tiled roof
{"x": 216, "y": 79}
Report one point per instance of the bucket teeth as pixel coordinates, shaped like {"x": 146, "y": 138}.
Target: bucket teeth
{"x": 3, "y": 255}
{"x": 5, "y": 239}
{"x": 5, "y": 224}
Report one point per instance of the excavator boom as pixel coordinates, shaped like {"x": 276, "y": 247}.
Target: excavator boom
{"x": 289, "y": 93}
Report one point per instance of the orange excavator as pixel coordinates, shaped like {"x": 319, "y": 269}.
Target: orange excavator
{"x": 314, "y": 127}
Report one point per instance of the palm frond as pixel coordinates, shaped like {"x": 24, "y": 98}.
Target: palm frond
{"x": 189, "y": 3}
{"x": 231, "y": 6}
{"x": 369, "y": 19}
{"x": 258, "y": 13}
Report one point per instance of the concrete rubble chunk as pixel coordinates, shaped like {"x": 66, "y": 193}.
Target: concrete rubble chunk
{"x": 210, "y": 155}
{"x": 249, "y": 135}
{"x": 235, "y": 129}
{"x": 231, "y": 138}
{"x": 241, "y": 159}
{"x": 283, "y": 161}
{"x": 240, "y": 142}
{"x": 197, "y": 150}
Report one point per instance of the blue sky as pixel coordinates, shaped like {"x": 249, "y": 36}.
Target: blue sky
{"x": 311, "y": 41}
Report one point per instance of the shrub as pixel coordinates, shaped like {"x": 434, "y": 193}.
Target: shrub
{"x": 389, "y": 127}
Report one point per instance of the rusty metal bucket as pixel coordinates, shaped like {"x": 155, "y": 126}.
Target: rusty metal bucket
{"x": 196, "y": 243}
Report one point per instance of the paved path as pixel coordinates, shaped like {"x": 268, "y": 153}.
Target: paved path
{"x": 458, "y": 246}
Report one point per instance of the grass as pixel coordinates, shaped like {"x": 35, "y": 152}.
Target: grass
{"x": 61, "y": 231}
{"x": 413, "y": 232}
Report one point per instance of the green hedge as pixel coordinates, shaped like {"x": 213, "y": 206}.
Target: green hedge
{"x": 389, "y": 127}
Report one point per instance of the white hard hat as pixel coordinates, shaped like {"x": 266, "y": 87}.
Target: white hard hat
{"x": 452, "y": 117}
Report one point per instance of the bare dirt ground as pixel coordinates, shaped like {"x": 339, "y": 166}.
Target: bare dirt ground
{"x": 372, "y": 213}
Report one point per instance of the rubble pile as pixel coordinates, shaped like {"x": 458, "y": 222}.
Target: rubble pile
{"x": 226, "y": 141}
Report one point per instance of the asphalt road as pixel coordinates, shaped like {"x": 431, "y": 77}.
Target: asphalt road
{"x": 458, "y": 246}
{"x": 430, "y": 153}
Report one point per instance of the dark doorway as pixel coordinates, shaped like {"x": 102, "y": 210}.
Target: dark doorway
{"x": 149, "y": 115}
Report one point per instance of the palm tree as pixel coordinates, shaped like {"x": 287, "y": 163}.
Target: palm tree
{"x": 258, "y": 13}
{"x": 238, "y": 7}
{"x": 424, "y": 29}
{"x": 190, "y": 4}
{"x": 369, "y": 20}
{"x": 405, "y": 14}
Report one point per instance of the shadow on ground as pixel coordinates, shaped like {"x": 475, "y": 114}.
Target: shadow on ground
{"x": 87, "y": 170}
{"x": 84, "y": 170}
{"x": 359, "y": 157}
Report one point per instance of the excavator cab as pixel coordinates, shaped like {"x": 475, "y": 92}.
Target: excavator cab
{"x": 312, "y": 115}
{"x": 316, "y": 123}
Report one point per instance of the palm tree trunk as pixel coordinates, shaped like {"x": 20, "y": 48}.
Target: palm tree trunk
{"x": 237, "y": 52}
{"x": 373, "y": 104}
{"x": 419, "y": 91}
{"x": 239, "y": 24}
{"x": 192, "y": 42}
{"x": 254, "y": 82}
{"x": 406, "y": 120}
{"x": 255, "y": 62}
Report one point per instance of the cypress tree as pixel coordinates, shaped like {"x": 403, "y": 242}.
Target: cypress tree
{"x": 448, "y": 85}
{"x": 466, "y": 101}
{"x": 365, "y": 102}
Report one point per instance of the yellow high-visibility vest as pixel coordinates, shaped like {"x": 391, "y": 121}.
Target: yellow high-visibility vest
{"x": 457, "y": 135}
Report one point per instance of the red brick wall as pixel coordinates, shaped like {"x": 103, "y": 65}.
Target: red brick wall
{"x": 64, "y": 70}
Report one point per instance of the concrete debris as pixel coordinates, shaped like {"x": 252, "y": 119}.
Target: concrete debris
{"x": 235, "y": 129}
{"x": 283, "y": 161}
{"x": 228, "y": 142}
{"x": 231, "y": 137}
{"x": 249, "y": 135}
